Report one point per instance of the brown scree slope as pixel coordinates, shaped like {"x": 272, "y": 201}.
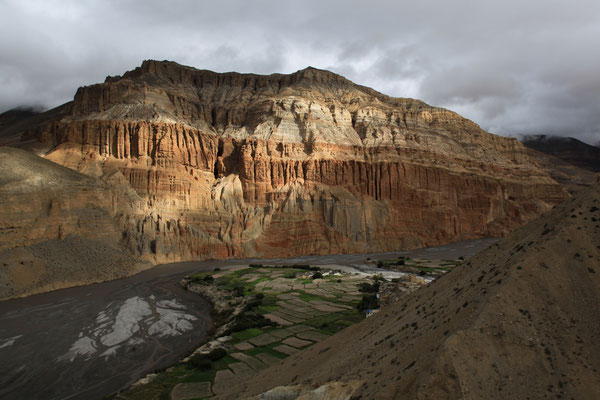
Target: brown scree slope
{"x": 232, "y": 165}
{"x": 518, "y": 321}
{"x": 58, "y": 226}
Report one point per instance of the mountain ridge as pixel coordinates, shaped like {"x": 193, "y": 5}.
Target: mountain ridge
{"x": 308, "y": 74}
{"x": 568, "y": 149}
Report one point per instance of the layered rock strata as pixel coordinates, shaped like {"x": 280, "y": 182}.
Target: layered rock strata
{"x": 231, "y": 165}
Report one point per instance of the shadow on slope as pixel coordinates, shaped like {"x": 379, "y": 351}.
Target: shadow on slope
{"x": 569, "y": 149}
{"x": 57, "y": 227}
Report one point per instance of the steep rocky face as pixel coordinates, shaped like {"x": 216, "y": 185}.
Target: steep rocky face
{"x": 249, "y": 165}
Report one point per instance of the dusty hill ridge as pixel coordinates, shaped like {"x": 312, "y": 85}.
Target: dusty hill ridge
{"x": 519, "y": 320}
{"x": 233, "y": 165}
{"x": 570, "y": 162}
{"x": 58, "y": 227}
{"x": 15, "y": 115}
{"x": 567, "y": 149}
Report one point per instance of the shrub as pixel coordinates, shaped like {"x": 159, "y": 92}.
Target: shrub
{"x": 254, "y": 302}
{"x": 200, "y": 362}
{"x": 238, "y": 290}
{"x": 165, "y": 395}
{"x": 249, "y": 320}
{"x": 300, "y": 266}
{"x": 317, "y": 275}
{"x": 205, "y": 280}
{"x": 216, "y": 354}
{"x": 368, "y": 288}
{"x": 369, "y": 301}
{"x": 204, "y": 361}
{"x": 255, "y": 265}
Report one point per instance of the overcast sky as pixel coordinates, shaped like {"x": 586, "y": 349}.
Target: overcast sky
{"x": 512, "y": 66}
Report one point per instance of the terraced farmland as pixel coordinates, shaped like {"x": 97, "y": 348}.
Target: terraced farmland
{"x": 280, "y": 311}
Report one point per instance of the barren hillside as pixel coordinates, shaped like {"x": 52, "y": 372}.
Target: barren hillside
{"x": 57, "y": 226}
{"x": 519, "y": 320}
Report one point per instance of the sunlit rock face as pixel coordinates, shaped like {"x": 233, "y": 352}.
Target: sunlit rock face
{"x": 232, "y": 165}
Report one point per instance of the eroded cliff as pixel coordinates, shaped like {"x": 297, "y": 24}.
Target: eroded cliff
{"x": 231, "y": 165}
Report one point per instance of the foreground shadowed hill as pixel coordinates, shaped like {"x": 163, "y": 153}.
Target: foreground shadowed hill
{"x": 520, "y": 320}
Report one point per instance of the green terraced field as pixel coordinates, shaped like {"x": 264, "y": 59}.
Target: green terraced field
{"x": 302, "y": 310}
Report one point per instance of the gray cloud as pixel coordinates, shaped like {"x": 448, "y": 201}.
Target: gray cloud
{"x": 514, "y": 67}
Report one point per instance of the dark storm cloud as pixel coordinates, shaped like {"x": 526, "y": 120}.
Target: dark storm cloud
{"x": 512, "y": 66}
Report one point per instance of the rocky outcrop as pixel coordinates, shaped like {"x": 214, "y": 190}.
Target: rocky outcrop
{"x": 231, "y": 165}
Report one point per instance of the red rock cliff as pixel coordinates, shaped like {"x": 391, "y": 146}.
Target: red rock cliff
{"x": 249, "y": 165}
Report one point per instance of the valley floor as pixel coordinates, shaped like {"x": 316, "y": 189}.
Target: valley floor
{"x": 269, "y": 312}
{"x": 38, "y": 332}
